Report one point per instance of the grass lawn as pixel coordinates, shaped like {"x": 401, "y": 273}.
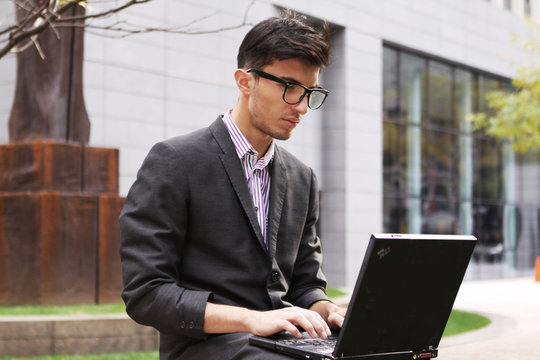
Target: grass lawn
{"x": 90, "y": 309}
{"x": 459, "y": 322}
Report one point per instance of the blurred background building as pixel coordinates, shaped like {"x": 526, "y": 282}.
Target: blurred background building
{"x": 391, "y": 146}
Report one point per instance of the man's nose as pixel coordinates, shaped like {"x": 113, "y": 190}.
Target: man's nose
{"x": 302, "y": 106}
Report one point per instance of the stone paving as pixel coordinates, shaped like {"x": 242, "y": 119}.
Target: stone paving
{"x": 513, "y": 305}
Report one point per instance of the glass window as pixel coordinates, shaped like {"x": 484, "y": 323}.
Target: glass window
{"x": 463, "y": 98}
{"x": 390, "y": 86}
{"x": 528, "y": 178}
{"x": 527, "y": 7}
{"x": 394, "y": 160}
{"x": 488, "y": 229}
{"x": 412, "y": 92}
{"x": 463, "y": 105}
{"x": 439, "y": 217}
{"x": 440, "y": 102}
{"x": 395, "y": 215}
{"x": 441, "y": 177}
{"x": 486, "y": 84}
{"x": 439, "y": 165}
{"x": 488, "y": 170}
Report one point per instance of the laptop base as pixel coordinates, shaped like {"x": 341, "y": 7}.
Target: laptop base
{"x": 272, "y": 343}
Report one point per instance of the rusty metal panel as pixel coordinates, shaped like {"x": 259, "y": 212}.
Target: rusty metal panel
{"x": 69, "y": 248}
{"x": 20, "y": 248}
{"x": 109, "y": 267}
{"x": 59, "y": 233}
{"x": 100, "y": 170}
{"x": 40, "y": 166}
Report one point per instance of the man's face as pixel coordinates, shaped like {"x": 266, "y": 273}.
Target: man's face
{"x": 269, "y": 113}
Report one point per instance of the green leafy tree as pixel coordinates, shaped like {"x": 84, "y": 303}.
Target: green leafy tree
{"x": 515, "y": 112}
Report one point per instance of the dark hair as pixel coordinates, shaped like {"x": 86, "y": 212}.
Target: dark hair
{"x": 286, "y": 37}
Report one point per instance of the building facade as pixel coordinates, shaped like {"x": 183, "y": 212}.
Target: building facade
{"x": 391, "y": 146}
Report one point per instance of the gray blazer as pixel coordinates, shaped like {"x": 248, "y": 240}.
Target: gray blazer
{"x": 190, "y": 235}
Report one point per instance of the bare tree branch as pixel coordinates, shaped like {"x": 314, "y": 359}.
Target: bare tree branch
{"x": 124, "y": 29}
{"x": 104, "y": 13}
{"x": 42, "y": 14}
{"x": 45, "y": 15}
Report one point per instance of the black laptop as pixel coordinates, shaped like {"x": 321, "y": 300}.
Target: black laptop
{"x": 400, "y": 304}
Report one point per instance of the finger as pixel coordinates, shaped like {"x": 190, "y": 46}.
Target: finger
{"x": 298, "y": 317}
{"x": 288, "y": 326}
{"x": 313, "y": 324}
{"x": 336, "y": 320}
{"x": 322, "y": 328}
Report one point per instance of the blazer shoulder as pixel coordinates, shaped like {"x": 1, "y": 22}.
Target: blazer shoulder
{"x": 195, "y": 139}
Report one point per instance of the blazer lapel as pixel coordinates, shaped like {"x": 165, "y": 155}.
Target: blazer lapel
{"x": 233, "y": 168}
{"x": 278, "y": 189}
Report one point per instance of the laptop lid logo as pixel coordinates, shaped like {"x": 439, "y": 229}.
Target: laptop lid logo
{"x": 383, "y": 252}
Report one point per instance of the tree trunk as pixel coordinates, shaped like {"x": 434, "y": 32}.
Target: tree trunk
{"x": 49, "y": 103}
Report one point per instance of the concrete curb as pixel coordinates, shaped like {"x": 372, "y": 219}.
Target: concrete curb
{"x": 78, "y": 334}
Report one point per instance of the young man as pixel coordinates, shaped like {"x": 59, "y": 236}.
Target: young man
{"x": 218, "y": 230}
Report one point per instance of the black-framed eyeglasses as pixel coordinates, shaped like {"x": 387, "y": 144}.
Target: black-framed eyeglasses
{"x": 293, "y": 92}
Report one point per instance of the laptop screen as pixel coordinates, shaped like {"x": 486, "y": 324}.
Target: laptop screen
{"x": 404, "y": 293}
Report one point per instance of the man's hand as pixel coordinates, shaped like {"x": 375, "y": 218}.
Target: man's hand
{"x": 330, "y": 312}
{"x": 226, "y": 319}
{"x": 266, "y": 323}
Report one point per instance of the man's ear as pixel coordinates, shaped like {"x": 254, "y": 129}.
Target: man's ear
{"x": 244, "y": 81}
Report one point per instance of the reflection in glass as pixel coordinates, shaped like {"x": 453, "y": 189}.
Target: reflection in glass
{"x": 395, "y": 219}
{"x": 439, "y": 165}
{"x": 412, "y": 95}
{"x": 528, "y": 212}
{"x": 411, "y": 91}
{"x": 488, "y": 174}
{"x": 440, "y": 176}
{"x": 440, "y": 95}
{"x": 488, "y": 230}
{"x": 439, "y": 217}
{"x": 414, "y": 216}
{"x": 390, "y": 85}
{"x": 510, "y": 197}
{"x": 486, "y": 84}
{"x": 463, "y": 101}
{"x": 394, "y": 161}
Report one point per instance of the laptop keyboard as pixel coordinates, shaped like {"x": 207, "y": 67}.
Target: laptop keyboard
{"x": 322, "y": 346}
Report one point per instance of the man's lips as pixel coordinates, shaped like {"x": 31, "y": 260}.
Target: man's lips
{"x": 293, "y": 121}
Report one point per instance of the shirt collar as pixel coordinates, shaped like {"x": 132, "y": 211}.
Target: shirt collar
{"x": 242, "y": 145}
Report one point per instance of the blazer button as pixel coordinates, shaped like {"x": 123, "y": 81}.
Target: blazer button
{"x": 182, "y": 324}
{"x": 275, "y": 276}
{"x": 191, "y": 325}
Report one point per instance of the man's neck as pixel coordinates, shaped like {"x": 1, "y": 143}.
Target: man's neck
{"x": 260, "y": 141}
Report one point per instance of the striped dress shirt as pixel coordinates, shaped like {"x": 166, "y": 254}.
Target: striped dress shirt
{"x": 257, "y": 172}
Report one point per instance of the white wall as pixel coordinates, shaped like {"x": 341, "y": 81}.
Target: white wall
{"x": 148, "y": 87}
{"x": 7, "y": 75}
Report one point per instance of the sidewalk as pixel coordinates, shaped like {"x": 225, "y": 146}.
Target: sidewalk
{"x": 513, "y": 306}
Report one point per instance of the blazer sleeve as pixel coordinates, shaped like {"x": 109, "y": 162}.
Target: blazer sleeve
{"x": 153, "y": 227}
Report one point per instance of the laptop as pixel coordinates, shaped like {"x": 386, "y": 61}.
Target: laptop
{"x": 401, "y": 302}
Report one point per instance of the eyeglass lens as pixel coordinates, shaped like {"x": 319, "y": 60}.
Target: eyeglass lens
{"x": 316, "y": 99}
{"x": 295, "y": 93}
